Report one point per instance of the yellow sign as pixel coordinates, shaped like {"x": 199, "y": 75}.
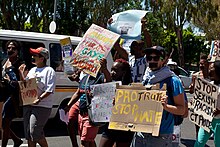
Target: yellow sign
{"x": 137, "y": 110}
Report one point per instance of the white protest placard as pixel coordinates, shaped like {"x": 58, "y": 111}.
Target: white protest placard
{"x": 128, "y": 24}
{"x": 67, "y": 55}
{"x": 102, "y": 101}
{"x": 28, "y": 91}
{"x": 204, "y": 103}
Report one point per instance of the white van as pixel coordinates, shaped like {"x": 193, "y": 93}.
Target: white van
{"x": 64, "y": 87}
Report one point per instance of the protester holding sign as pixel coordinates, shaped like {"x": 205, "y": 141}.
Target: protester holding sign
{"x": 203, "y": 73}
{"x": 36, "y": 115}
{"x": 203, "y": 135}
{"x": 173, "y": 103}
{"x": 137, "y": 59}
{"x": 120, "y": 72}
{"x": 11, "y": 108}
{"x": 88, "y": 131}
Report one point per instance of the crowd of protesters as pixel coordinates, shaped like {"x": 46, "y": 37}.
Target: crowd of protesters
{"x": 145, "y": 63}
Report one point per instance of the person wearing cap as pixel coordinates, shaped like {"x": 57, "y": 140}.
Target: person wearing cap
{"x": 36, "y": 115}
{"x": 173, "y": 103}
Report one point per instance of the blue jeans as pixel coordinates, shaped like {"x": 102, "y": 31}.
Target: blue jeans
{"x": 203, "y": 136}
{"x": 147, "y": 140}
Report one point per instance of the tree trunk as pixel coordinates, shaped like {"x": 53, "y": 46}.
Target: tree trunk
{"x": 180, "y": 46}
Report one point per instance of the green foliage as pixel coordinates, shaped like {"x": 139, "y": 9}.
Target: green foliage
{"x": 193, "y": 46}
{"x": 165, "y": 23}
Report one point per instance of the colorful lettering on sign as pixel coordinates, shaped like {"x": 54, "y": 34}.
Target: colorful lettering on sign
{"x": 92, "y": 53}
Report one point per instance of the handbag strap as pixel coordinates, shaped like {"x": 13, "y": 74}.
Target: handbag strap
{"x": 87, "y": 80}
{"x": 87, "y": 100}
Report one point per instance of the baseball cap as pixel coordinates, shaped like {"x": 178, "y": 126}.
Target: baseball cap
{"x": 41, "y": 51}
{"x": 155, "y": 49}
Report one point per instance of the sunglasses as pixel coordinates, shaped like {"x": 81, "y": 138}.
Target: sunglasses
{"x": 13, "y": 48}
{"x": 34, "y": 55}
{"x": 155, "y": 58}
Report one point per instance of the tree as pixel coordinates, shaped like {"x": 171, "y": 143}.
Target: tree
{"x": 174, "y": 14}
{"x": 16, "y": 13}
{"x": 72, "y": 17}
{"x": 206, "y": 17}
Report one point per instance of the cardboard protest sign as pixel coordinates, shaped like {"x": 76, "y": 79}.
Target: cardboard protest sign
{"x": 67, "y": 52}
{"x": 214, "y": 51}
{"x": 102, "y": 101}
{"x": 96, "y": 44}
{"x": 204, "y": 103}
{"x": 28, "y": 91}
{"x": 137, "y": 109}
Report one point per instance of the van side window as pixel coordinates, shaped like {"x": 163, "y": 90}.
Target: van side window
{"x": 56, "y": 60}
{"x": 24, "y": 53}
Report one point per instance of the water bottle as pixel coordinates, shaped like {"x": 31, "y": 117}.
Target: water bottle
{"x": 11, "y": 74}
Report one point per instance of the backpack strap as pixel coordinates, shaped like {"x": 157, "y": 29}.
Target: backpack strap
{"x": 96, "y": 81}
{"x": 170, "y": 92}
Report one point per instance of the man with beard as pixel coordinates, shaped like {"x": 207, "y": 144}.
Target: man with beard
{"x": 173, "y": 103}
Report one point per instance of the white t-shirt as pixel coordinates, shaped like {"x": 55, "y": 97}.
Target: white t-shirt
{"x": 138, "y": 68}
{"x": 46, "y": 79}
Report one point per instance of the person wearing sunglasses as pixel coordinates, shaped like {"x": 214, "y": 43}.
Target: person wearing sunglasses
{"x": 173, "y": 103}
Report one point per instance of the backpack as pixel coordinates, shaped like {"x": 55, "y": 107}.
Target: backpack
{"x": 178, "y": 119}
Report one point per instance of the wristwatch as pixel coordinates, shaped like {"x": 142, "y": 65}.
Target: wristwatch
{"x": 40, "y": 98}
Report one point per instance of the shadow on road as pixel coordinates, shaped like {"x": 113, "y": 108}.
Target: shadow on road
{"x": 53, "y": 128}
{"x": 189, "y": 142}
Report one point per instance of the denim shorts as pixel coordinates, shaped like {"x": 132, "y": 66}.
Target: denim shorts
{"x": 147, "y": 140}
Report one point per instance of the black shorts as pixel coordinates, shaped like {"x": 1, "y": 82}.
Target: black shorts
{"x": 117, "y": 135}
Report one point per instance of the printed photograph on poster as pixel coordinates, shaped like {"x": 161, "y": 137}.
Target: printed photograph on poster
{"x": 67, "y": 52}
{"x": 128, "y": 24}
